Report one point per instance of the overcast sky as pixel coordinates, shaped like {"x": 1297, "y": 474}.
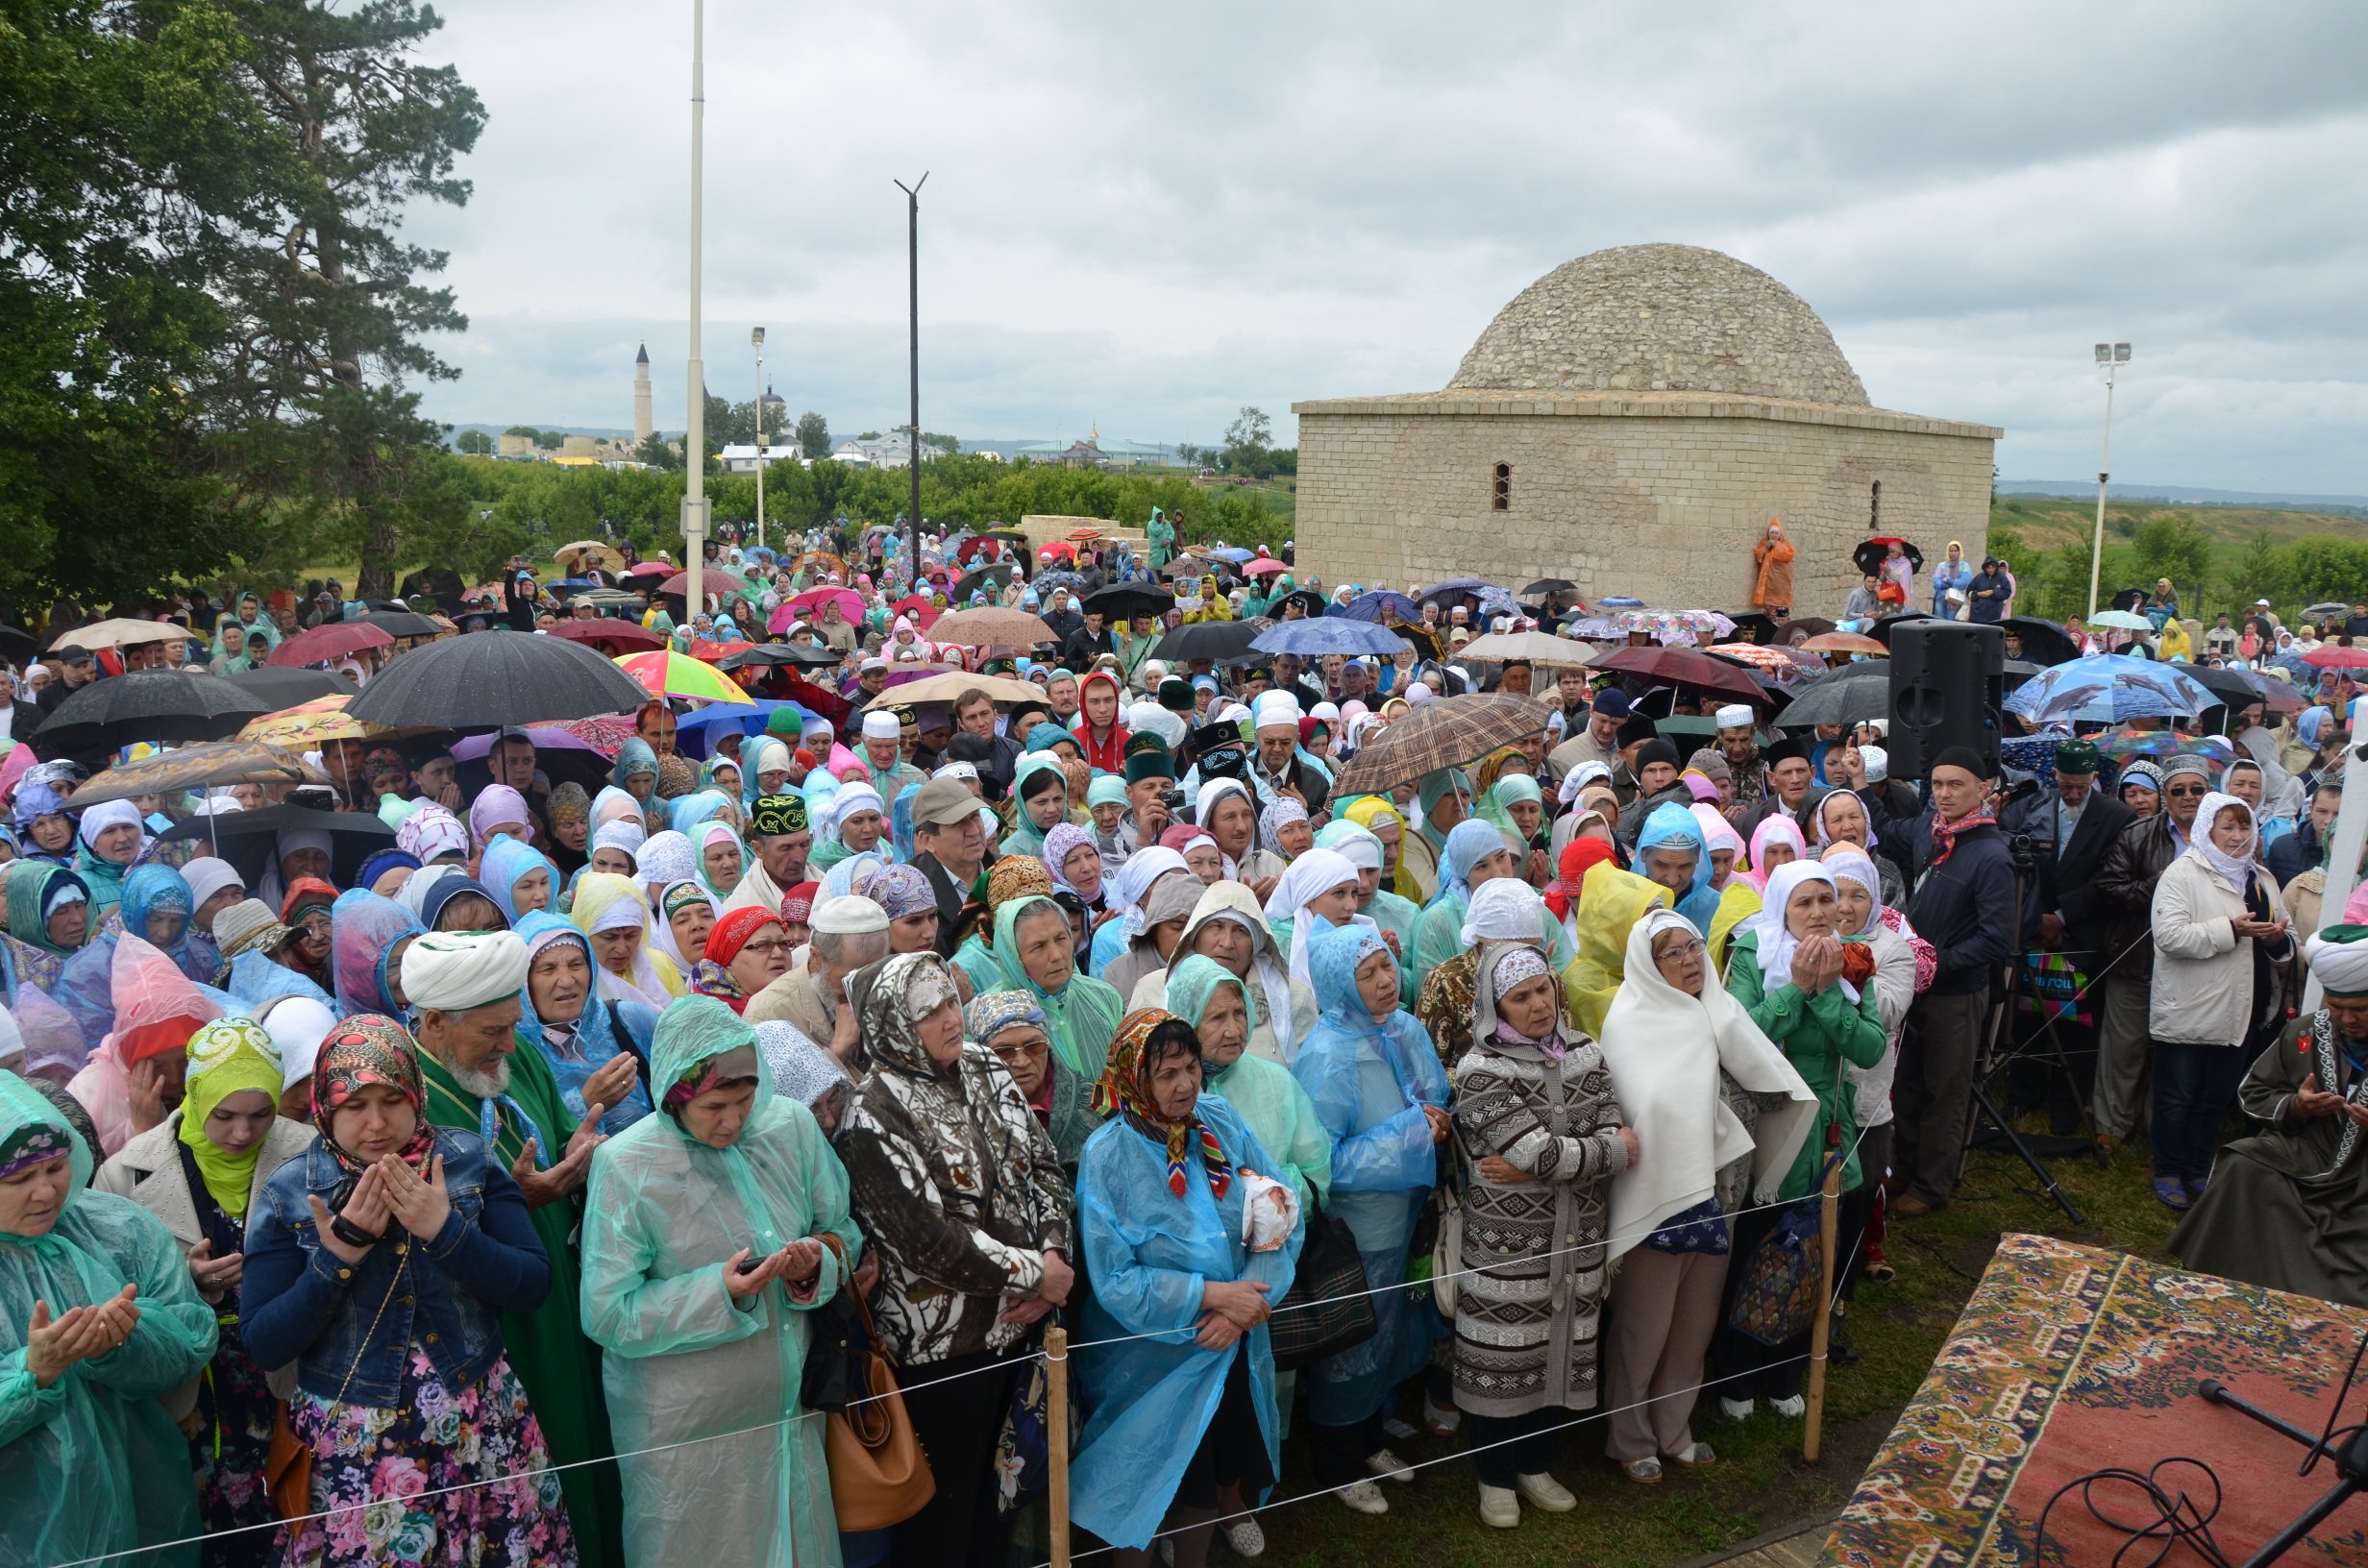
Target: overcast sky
{"x": 1146, "y": 217}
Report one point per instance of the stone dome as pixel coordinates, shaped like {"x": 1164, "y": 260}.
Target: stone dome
{"x": 1660, "y": 318}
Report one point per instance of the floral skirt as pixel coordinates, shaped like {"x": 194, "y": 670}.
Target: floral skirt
{"x": 228, "y": 1454}
{"x": 395, "y": 1485}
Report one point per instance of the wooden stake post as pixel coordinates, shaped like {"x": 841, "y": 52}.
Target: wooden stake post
{"x": 1822, "y": 1330}
{"x": 1057, "y": 1416}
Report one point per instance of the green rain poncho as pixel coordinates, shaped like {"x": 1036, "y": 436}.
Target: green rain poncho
{"x": 1082, "y": 1017}
{"x": 93, "y": 1465}
{"x": 1269, "y": 1100}
{"x": 662, "y": 1216}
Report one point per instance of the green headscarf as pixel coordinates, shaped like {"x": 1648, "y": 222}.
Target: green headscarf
{"x": 1192, "y": 984}
{"x": 1428, "y": 794}
{"x": 225, "y": 1057}
{"x": 1082, "y": 1017}
{"x": 30, "y": 883}
{"x": 1495, "y": 806}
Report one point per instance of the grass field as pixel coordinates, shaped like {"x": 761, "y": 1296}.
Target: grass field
{"x": 1760, "y": 1480}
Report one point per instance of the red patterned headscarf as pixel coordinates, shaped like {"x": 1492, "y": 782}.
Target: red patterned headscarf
{"x": 1125, "y": 1084}
{"x": 363, "y": 1050}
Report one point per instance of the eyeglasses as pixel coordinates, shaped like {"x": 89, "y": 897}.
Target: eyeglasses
{"x": 1683, "y": 949}
{"x": 315, "y": 921}
{"x": 768, "y": 948}
{"x": 2187, "y": 792}
{"x": 1019, "y": 1049}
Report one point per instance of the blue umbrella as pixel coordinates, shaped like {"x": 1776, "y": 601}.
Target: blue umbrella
{"x": 1454, "y": 588}
{"x": 1376, "y": 606}
{"x": 1235, "y": 554}
{"x": 1329, "y": 634}
{"x": 2110, "y": 687}
{"x": 1619, "y": 602}
{"x": 696, "y": 734}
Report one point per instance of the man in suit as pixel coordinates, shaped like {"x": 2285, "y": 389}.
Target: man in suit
{"x": 2077, "y": 823}
{"x": 952, "y": 843}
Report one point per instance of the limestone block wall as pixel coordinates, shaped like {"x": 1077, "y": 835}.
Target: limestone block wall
{"x": 1660, "y": 497}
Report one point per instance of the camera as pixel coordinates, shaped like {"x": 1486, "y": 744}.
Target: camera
{"x": 1172, "y": 799}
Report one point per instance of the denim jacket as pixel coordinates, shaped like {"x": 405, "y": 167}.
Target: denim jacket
{"x": 300, "y": 1302}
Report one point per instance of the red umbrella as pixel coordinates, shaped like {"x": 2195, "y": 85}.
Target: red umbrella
{"x": 1684, "y": 667}
{"x": 1263, "y": 566}
{"x": 325, "y": 643}
{"x": 2329, "y": 656}
{"x": 611, "y": 636}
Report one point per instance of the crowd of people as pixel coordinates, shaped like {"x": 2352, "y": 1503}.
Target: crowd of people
{"x": 576, "y": 1138}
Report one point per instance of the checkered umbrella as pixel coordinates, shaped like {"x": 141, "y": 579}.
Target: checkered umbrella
{"x": 1444, "y": 732}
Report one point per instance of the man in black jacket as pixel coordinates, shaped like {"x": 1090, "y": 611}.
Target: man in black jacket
{"x": 2075, "y": 823}
{"x": 2126, "y": 881}
{"x": 952, "y": 843}
{"x": 1963, "y": 904}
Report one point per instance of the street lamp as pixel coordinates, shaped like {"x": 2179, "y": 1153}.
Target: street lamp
{"x": 695, "y": 439}
{"x": 2111, "y": 356}
{"x": 757, "y": 336}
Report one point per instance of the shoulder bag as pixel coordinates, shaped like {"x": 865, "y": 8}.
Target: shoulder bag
{"x": 1326, "y": 1310}
{"x": 879, "y": 1475}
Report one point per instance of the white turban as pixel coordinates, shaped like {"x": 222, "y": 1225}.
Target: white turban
{"x": 850, "y": 915}
{"x": 2340, "y": 966}
{"x": 453, "y": 971}
{"x": 1276, "y": 710}
{"x": 1735, "y": 716}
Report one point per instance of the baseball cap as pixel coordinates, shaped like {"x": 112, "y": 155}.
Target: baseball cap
{"x": 941, "y": 802}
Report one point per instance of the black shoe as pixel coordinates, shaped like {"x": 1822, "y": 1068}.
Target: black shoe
{"x": 1841, "y": 1355}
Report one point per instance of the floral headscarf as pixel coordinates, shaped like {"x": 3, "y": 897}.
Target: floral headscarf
{"x": 370, "y": 1048}
{"x": 1125, "y": 1084}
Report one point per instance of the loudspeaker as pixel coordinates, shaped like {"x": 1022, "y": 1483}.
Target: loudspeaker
{"x": 1948, "y": 678}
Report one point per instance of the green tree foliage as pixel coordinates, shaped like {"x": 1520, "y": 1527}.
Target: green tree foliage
{"x": 475, "y": 443}
{"x": 813, "y": 434}
{"x": 1247, "y": 446}
{"x": 2323, "y": 568}
{"x": 2259, "y": 573}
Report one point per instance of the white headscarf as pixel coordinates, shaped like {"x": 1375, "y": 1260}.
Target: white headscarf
{"x": 1310, "y": 876}
{"x": 1578, "y": 778}
{"x": 1664, "y": 1050}
{"x": 1776, "y": 941}
{"x": 1135, "y": 877}
{"x": 2236, "y": 869}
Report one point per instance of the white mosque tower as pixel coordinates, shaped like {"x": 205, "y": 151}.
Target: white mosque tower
{"x": 642, "y": 426}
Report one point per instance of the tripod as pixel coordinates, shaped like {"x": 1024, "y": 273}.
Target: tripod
{"x": 2348, "y": 1448}
{"x": 1992, "y": 1063}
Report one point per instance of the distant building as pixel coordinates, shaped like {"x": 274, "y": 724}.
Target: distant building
{"x": 642, "y": 422}
{"x": 514, "y": 446}
{"x": 894, "y": 450}
{"x": 1093, "y": 453}
{"x": 740, "y": 457}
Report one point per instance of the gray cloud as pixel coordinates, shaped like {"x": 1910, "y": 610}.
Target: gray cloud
{"x": 1147, "y": 219}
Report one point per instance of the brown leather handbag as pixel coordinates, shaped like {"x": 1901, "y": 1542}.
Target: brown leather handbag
{"x": 879, "y": 1475}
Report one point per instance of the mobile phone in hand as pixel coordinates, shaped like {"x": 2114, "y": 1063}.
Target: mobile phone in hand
{"x": 749, "y": 1266}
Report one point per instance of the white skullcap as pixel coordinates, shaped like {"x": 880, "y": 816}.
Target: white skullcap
{"x": 1275, "y": 710}
{"x": 452, "y": 971}
{"x": 1735, "y": 716}
{"x": 879, "y": 725}
{"x": 958, "y": 769}
{"x": 1504, "y": 908}
{"x": 1232, "y": 712}
{"x": 297, "y": 1025}
{"x": 1878, "y": 762}
{"x": 850, "y": 915}
{"x": 207, "y": 876}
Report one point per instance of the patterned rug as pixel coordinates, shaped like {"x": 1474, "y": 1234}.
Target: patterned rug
{"x": 2071, "y": 1359}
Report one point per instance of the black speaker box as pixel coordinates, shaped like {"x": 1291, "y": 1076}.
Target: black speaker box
{"x": 1948, "y": 678}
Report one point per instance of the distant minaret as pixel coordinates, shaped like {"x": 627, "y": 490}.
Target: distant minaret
{"x": 642, "y": 426}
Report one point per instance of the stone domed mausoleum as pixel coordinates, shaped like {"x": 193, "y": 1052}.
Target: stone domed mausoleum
{"x": 1630, "y": 422}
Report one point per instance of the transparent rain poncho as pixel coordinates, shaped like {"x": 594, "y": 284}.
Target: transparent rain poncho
{"x": 1148, "y": 1252}
{"x": 662, "y": 1214}
{"x": 92, "y": 1464}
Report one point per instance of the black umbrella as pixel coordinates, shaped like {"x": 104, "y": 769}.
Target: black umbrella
{"x": 796, "y": 654}
{"x": 1881, "y": 632}
{"x": 150, "y": 706}
{"x": 1126, "y": 600}
{"x": 997, "y": 573}
{"x": 1850, "y": 696}
{"x": 246, "y": 838}
{"x": 281, "y": 688}
{"x": 16, "y": 643}
{"x": 1218, "y": 639}
{"x": 2044, "y": 642}
{"x": 401, "y": 623}
{"x": 1763, "y": 628}
{"x": 2230, "y": 686}
{"x": 1871, "y": 552}
{"x": 496, "y": 678}
{"x": 1550, "y": 585}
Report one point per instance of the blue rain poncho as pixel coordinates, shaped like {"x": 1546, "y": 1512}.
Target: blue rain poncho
{"x": 93, "y": 1465}
{"x": 507, "y": 862}
{"x": 1148, "y": 1252}
{"x": 1268, "y": 1099}
{"x": 593, "y": 1044}
{"x": 662, "y": 1214}
{"x": 1672, "y": 824}
{"x": 1438, "y": 932}
{"x": 256, "y": 982}
{"x": 1368, "y": 1079}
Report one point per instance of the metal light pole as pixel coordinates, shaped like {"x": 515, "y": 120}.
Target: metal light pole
{"x": 2110, "y": 355}
{"x": 912, "y": 265}
{"x": 695, "y": 439}
{"x": 757, "y": 336}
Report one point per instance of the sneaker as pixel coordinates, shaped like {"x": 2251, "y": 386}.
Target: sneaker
{"x": 1735, "y": 1409}
{"x": 1390, "y": 1467}
{"x": 1166, "y": 1550}
{"x": 1695, "y": 1457}
{"x": 1880, "y": 1271}
{"x": 1500, "y": 1508}
{"x": 1396, "y": 1430}
{"x": 1647, "y": 1470}
{"x": 1441, "y": 1423}
{"x": 2173, "y": 1192}
{"x": 1245, "y": 1538}
{"x": 1791, "y": 1410}
{"x": 1363, "y": 1496}
{"x": 1543, "y": 1492}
